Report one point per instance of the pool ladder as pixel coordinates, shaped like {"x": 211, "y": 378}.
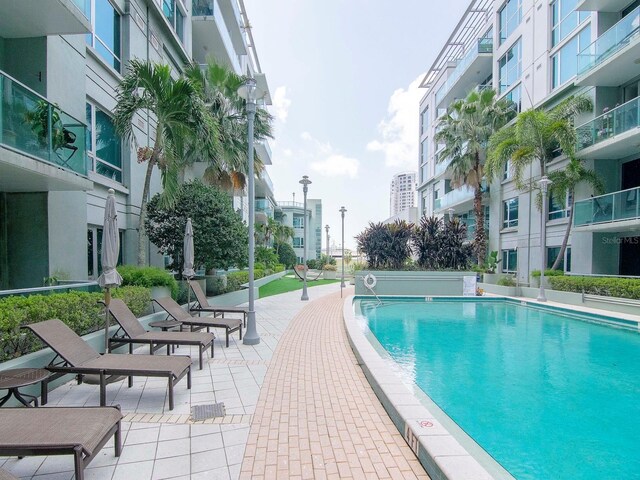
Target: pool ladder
{"x": 373, "y": 293}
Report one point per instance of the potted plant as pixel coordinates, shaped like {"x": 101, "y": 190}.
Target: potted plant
{"x": 329, "y": 271}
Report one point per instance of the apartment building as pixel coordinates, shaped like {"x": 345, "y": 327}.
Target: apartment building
{"x": 293, "y": 215}
{"x": 402, "y": 192}
{"x": 61, "y": 62}
{"x": 536, "y": 53}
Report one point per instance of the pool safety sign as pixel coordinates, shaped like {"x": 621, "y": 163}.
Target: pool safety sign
{"x": 469, "y": 286}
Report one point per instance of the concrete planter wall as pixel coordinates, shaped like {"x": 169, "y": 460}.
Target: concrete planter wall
{"x": 329, "y": 274}
{"x": 500, "y": 290}
{"x": 412, "y": 283}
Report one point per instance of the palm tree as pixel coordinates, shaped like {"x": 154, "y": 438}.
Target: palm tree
{"x": 564, "y": 185}
{"x": 282, "y": 234}
{"x": 465, "y": 131}
{"x": 219, "y": 87}
{"x": 536, "y": 135}
{"x": 180, "y": 118}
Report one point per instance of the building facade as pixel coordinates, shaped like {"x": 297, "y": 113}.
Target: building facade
{"x": 537, "y": 53}
{"x": 402, "y": 193}
{"x": 293, "y": 215}
{"x": 59, "y": 153}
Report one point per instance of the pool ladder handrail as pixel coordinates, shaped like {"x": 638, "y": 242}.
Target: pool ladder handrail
{"x": 374, "y": 293}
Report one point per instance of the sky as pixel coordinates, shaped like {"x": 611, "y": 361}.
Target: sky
{"x": 344, "y": 78}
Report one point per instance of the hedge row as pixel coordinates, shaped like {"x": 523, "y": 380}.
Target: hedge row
{"x": 79, "y": 310}
{"x": 133, "y": 275}
{"x": 608, "y": 287}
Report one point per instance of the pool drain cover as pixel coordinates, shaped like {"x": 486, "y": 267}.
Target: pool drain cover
{"x": 202, "y": 412}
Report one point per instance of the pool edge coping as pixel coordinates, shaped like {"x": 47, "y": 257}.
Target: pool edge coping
{"x": 437, "y": 449}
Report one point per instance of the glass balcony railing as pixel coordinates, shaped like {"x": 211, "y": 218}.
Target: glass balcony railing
{"x": 36, "y": 127}
{"x": 484, "y": 45}
{"x": 202, "y": 8}
{"x": 436, "y": 203}
{"x": 441, "y": 166}
{"x": 455, "y": 197}
{"x": 84, "y": 6}
{"x": 612, "y": 207}
{"x": 265, "y": 206}
{"x": 264, "y": 176}
{"x": 609, "y": 124}
{"x": 610, "y": 42}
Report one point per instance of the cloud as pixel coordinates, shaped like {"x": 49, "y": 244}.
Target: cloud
{"x": 336, "y": 165}
{"x": 281, "y": 104}
{"x": 398, "y": 131}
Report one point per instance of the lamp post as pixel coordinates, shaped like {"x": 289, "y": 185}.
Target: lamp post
{"x": 342, "y": 285}
{"x": 305, "y": 188}
{"x": 326, "y": 228}
{"x": 544, "y": 183}
{"x": 248, "y": 92}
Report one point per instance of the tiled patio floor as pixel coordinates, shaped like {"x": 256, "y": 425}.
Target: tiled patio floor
{"x": 317, "y": 416}
{"x": 159, "y": 443}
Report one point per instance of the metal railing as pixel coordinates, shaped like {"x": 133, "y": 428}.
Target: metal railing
{"x": 610, "y": 42}
{"x": 68, "y": 287}
{"x": 32, "y": 125}
{"x": 202, "y": 8}
{"x": 611, "y": 123}
{"x": 611, "y": 207}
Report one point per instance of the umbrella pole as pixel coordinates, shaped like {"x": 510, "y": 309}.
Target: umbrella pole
{"x": 107, "y": 301}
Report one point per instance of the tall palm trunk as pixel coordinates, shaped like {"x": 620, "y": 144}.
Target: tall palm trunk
{"x": 565, "y": 240}
{"x": 142, "y": 244}
{"x": 480, "y": 235}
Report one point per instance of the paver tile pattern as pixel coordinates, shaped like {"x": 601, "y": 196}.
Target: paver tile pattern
{"x": 317, "y": 416}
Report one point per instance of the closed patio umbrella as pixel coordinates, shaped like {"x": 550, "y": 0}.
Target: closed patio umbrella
{"x": 109, "y": 257}
{"x": 188, "y": 252}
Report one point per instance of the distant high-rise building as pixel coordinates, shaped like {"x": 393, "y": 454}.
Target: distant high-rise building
{"x": 403, "y": 192}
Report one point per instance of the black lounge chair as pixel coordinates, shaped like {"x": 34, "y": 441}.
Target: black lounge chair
{"x": 75, "y": 356}
{"x": 203, "y": 305}
{"x": 77, "y": 431}
{"x": 176, "y": 312}
{"x": 131, "y": 331}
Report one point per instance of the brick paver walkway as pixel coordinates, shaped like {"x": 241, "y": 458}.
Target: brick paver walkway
{"x": 317, "y": 416}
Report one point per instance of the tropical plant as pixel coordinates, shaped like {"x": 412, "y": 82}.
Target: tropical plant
{"x": 180, "y": 120}
{"x": 282, "y": 234}
{"x": 327, "y": 260}
{"x": 454, "y": 253}
{"x": 492, "y": 262}
{"x": 564, "y": 186}
{"x": 267, "y": 256}
{"x": 227, "y": 166}
{"x": 427, "y": 240}
{"x": 220, "y": 237}
{"x": 286, "y": 254}
{"x": 537, "y": 135}
{"x": 386, "y": 245}
{"x": 465, "y": 131}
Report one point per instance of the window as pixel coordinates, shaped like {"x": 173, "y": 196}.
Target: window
{"x": 105, "y": 32}
{"x": 510, "y": 213}
{"x": 507, "y": 174}
{"x": 298, "y": 242}
{"x": 94, "y": 251}
{"x": 552, "y": 254}
{"x": 174, "y": 16}
{"x": 424, "y": 120}
{"x": 509, "y": 18}
{"x": 510, "y": 67}
{"x": 565, "y": 19}
{"x": 510, "y": 261}
{"x": 515, "y": 98}
{"x": 424, "y": 172}
{"x": 424, "y": 150}
{"x": 558, "y": 210}
{"x": 563, "y": 64}
{"x": 298, "y": 222}
{"x": 103, "y": 144}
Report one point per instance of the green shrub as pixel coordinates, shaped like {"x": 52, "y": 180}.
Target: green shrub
{"x": 79, "y": 310}
{"x": 148, "y": 277}
{"x": 279, "y": 268}
{"x": 266, "y": 256}
{"x": 259, "y": 266}
{"x": 313, "y": 264}
{"x": 329, "y": 268}
{"x": 547, "y": 273}
{"x": 507, "y": 282}
{"x": 608, "y": 287}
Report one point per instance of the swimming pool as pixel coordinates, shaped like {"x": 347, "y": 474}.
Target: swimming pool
{"x": 545, "y": 393}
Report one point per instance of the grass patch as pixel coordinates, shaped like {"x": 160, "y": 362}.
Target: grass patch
{"x": 284, "y": 285}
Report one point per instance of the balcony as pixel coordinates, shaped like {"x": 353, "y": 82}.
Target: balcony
{"x": 264, "y": 210}
{"x": 611, "y": 60}
{"x": 43, "y": 147}
{"x": 614, "y": 134}
{"x": 264, "y": 185}
{"x": 602, "y": 5}
{"x": 470, "y": 71}
{"x": 264, "y": 151}
{"x": 211, "y": 37}
{"x": 617, "y": 211}
{"x": 231, "y": 13}
{"x": 41, "y": 18}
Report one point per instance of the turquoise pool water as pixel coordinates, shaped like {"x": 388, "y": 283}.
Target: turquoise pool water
{"x": 546, "y": 395}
